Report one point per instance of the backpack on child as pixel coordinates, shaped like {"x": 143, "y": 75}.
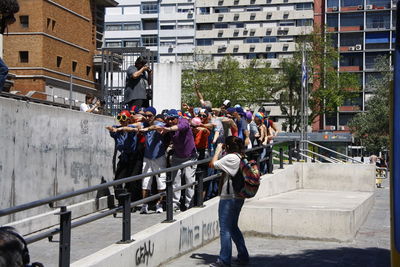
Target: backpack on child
{"x": 247, "y": 180}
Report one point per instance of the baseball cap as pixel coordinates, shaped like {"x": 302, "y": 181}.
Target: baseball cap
{"x": 249, "y": 115}
{"x": 151, "y": 109}
{"x": 227, "y": 103}
{"x": 172, "y": 113}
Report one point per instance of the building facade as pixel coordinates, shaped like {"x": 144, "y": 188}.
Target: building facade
{"x": 362, "y": 30}
{"x": 166, "y": 27}
{"x": 52, "y": 40}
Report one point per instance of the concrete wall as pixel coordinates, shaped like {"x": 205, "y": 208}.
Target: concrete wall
{"x": 46, "y": 151}
{"x": 337, "y": 176}
{"x": 161, "y": 242}
{"x": 167, "y": 86}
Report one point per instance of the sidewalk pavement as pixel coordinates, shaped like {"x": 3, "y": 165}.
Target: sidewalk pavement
{"x": 371, "y": 247}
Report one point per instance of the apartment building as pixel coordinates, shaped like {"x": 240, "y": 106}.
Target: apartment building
{"x": 362, "y": 30}
{"x": 248, "y": 29}
{"x": 166, "y": 27}
{"x": 52, "y": 40}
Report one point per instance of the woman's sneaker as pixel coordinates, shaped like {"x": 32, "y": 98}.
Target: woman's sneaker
{"x": 144, "y": 209}
{"x": 159, "y": 208}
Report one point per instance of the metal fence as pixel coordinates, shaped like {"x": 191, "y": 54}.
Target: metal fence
{"x": 115, "y": 62}
{"x": 66, "y": 224}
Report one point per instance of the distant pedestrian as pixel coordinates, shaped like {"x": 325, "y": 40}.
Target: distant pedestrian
{"x": 138, "y": 78}
{"x": 7, "y": 10}
{"x": 91, "y": 104}
{"x": 229, "y": 205}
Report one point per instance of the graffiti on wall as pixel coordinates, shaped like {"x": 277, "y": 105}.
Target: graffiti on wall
{"x": 144, "y": 253}
{"x": 191, "y": 236}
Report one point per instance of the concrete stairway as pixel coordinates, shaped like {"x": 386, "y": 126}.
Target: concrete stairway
{"x": 310, "y": 210}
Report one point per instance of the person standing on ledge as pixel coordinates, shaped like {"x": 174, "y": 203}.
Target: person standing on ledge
{"x": 138, "y": 78}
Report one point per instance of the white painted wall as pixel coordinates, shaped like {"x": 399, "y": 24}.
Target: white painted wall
{"x": 167, "y": 86}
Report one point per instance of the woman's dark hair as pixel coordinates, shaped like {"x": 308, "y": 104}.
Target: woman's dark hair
{"x": 7, "y": 9}
{"x": 234, "y": 144}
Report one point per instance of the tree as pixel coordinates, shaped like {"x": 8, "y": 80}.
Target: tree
{"x": 371, "y": 128}
{"x": 327, "y": 88}
{"x": 243, "y": 84}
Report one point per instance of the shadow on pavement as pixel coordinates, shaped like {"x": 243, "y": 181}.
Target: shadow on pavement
{"x": 340, "y": 257}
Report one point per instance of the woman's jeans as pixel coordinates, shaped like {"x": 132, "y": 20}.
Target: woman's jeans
{"x": 3, "y": 74}
{"x": 228, "y": 213}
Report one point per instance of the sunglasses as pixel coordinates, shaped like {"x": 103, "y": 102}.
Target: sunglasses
{"x": 203, "y": 116}
{"x": 122, "y": 117}
{"x": 148, "y": 115}
{"x": 170, "y": 119}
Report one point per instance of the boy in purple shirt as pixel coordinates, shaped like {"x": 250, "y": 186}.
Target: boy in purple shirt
{"x": 184, "y": 152}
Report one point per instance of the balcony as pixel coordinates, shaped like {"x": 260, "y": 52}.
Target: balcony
{"x": 351, "y": 8}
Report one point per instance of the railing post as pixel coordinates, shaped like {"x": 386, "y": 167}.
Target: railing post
{"x": 290, "y": 154}
{"x": 168, "y": 198}
{"x": 65, "y": 237}
{"x": 270, "y": 162}
{"x": 297, "y": 152}
{"x": 126, "y": 218}
{"x": 199, "y": 187}
{"x": 280, "y": 158}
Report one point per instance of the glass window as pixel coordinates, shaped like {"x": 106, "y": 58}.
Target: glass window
{"x": 221, "y": 10}
{"x": 269, "y": 39}
{"x": 131, "y": 43}
{"x": 204, "y": 42}
{"x": 332, "y": 20}
{"x": 131, "y": 27}
{"x": 113, "y": 27}
{"x": 114, "y": 11}
{"x": 252, "y": 40}
{"x": 149, "y": 40}
{"x": 379, "y": 3}
{"x": 304, "y": 6}
{"x": 221, "y": 25}
{"x": 113, "y": 44}
{"x": 352, "y": 19}
{"x": 167, "y": 27}
{"x": 286, "y": 23}
{"x": 185, "y": 26}
{"x": 251, "y": 56}
{"x": 167, "y": 43}
{"x": 351, "y": 39}
{"x": 271, "y": 55}
{"x": 345, "y": 118}
{"x": 204, "y": 10}
{"x": 304, "y": 22}
{"x": 24, "y": 20}
{"x": 23, "y": 56}
{"x": 378, "y": 20}
{"x": 333, "y": 3}
{"x": 352, "y": 2}
{"x": 351, "y": 59}
{"x": 253, "y": 8}
{"x": 149, "y": 8}
{"x": 204, "y": 26}
{"x": 331, "y": 119}
{"x": 149, "y": 24}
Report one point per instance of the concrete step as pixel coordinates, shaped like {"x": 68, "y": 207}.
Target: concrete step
{"x": 308, "y": 213}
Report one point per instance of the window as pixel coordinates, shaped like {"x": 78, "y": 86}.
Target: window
{"x": 304, "y": 22}
{"x": 221, "y": 10}
{"x": 23, "y": 56}
{"x": 204, "y": 10}
{"x": 149, "y": 24}
{"x": 24, "y": 20}
{"x": 304, "y": 6}
{"x": 88, "y": 69}
{"x": 59, "y": 61}
{"x": 167, "y": 27}
{"x": 353, "y": 19}
{"x": 149, "y": 40}
{"x": 149, "y": 8}
{"x": 113, "y": 27}
{"x": 113, "y": 44}
{"x": 131, "y": 43}
{"x": 331, "y": 119}
{"x": 51, "y": 23}
{"x": 168, "y": 43}
{"x": 253, "y": 8}
{"x": 204, "y": 42}
{"x": 221, "y": 25}
{"x": 74, "y": 65}
{"x": 269, "y": 39}
{"x": 345, "y": 118}
{"x": 251, "y": 56}
{"x": 252, "y": 40}
{"x": 286, "y": 23}
{"x": 131, "y": 27}
{"x": 271, "y": 55}
{"x": 185, "y": 26}
{"x": 204, "y": 26}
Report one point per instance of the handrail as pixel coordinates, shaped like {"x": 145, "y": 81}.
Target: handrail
{"x": 333, "y": 151}
{"x": 320, "y": 155}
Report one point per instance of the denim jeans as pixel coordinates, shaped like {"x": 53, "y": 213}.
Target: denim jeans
{"x": 228, "y": 213}
{"x": 3, "y": 74}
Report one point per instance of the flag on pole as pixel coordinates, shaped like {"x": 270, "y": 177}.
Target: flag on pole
{"x": 303, "y": 72}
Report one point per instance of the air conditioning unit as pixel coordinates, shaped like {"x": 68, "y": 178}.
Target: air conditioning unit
{"x": 245, "y": 29}
{"x": 223, "y": 46}
{"x": 341, "y": 128}
{"x": 335, "y": 8}
{"x": 359, "y": 7}
{"x": 358, "y": 46}
{"x": 190, "y": 12}
{"x": 332, "y": 128}
{"x": 280, "y": 28}
{"x": 370, "y": 6}
{"x": 171, "y": 46}
{"x": 352, "y": 48}
{"x": 286, "y": 29}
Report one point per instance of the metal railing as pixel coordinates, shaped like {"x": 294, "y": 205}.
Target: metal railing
{"x": 66, "y": 224}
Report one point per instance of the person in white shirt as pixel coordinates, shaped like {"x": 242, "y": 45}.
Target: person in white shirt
{"x": 88, "y": 106}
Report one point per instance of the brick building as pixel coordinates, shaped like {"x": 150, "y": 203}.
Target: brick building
{"x": 52, "y": 40}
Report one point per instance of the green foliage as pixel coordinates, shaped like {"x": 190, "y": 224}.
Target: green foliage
{"x": 243, "y": 85}
{"x": 327, "y": 89}
{"x": 371, "y": 128}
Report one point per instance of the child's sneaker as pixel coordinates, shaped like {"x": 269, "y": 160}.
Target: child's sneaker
{"x": 144, "y": 209}
{"x": 159, "y": 208}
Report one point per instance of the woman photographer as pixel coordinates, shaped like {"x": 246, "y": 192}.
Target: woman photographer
{"x": 229, "y": 205}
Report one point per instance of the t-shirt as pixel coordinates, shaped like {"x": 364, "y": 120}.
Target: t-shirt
{"x": 242, "y": 126}
{"x": 85, "y": 107}
{"x": 201, "y": 137}
{"x": 125, "y": 142}
{"x": 135, "y": 88}
{"x": 183, "y": 139}
{"x": 229, "y": 164}
{"x": 155, "y": 146}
